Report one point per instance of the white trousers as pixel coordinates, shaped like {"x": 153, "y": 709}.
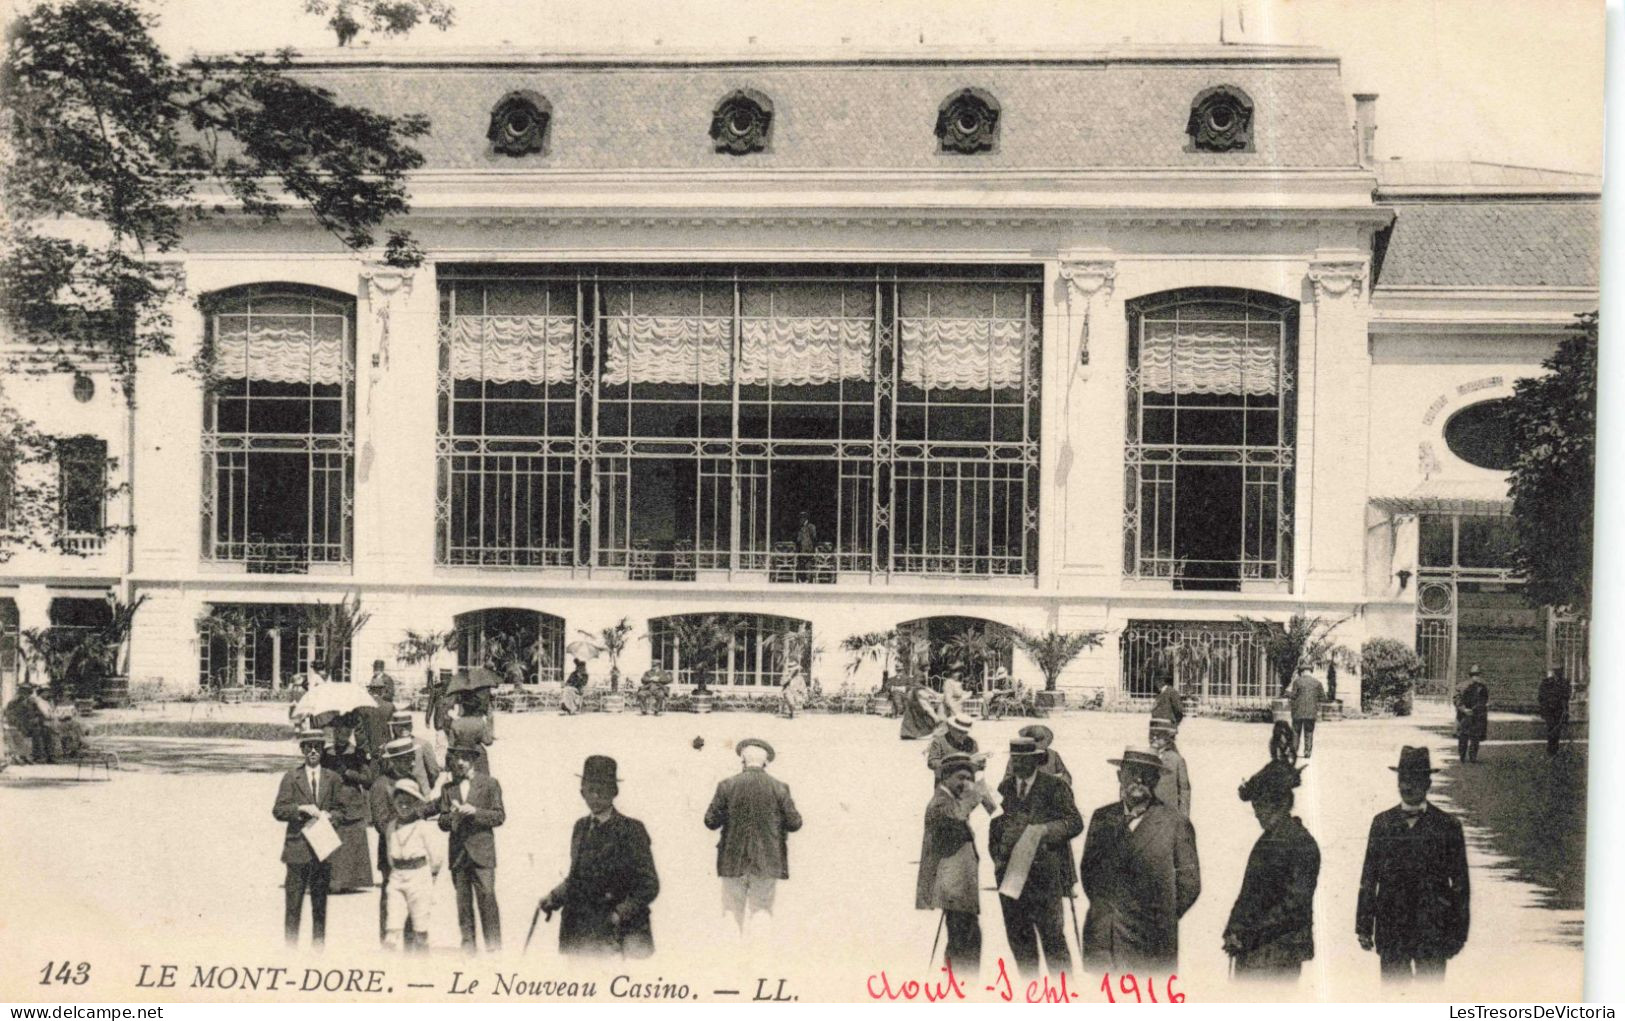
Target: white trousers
{"x": 408, "y": 895}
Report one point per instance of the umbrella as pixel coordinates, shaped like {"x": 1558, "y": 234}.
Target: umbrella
{"x": 583, "y": 650}
{"x": 474, "y": 679}
{"x": 332, "y": 699}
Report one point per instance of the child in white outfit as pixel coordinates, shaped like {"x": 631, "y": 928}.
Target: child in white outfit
{"x": 415, "y": 859}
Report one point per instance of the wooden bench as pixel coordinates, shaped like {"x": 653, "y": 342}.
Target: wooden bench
{"x": 94, "y": 757}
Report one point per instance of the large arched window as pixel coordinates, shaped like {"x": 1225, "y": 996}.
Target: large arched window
{"x": 279, "y": 429}
{"x": 524, "y": 646}
{"x": 730, "y": 649}
{"x": 1211, "y": 425}
{"x": 932, "y": 646}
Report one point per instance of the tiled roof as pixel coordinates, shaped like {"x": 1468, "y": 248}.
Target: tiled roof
{"x": 863, "y": 114}
{"x": 1474, "y": 243}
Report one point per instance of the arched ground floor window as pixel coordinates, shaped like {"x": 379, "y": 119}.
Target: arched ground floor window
{"x": 268, "y": 645}
{"x": 729, "y": 649}
{"x": 1214, "y": 660}
{"x": 523, "y": 646}
{"x": 931, "y": 646}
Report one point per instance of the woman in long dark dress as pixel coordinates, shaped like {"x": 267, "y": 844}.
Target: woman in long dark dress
{"x": 352, "y": 862}
{"x": 920, "y": 716}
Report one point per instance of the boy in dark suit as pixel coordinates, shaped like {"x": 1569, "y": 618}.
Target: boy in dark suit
{"x": 470, "y": 808}
{"x": 1034, "y": 798}
{"x": 612, "y": 879}
{"x": 1414, "y": 895}
{"x": 307, "y": 791}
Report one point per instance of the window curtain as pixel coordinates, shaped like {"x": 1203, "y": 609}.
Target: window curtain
{"x": 279, "y": 349}
{"x": 689, "y": 350}
{"x": 513, "y": 349}
{"x": 1210, "y": 358}
{"x": 963, "y": 354}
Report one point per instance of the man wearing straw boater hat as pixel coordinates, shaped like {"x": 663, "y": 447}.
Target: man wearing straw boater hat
{"x": 1033, "y": 915}
{"x": 1271, "y": 931}
{"x": 306, "y": 792}
{"x": 1414, "y": 895}
{"x": 953, "y": 737}
{"x": 1139, "y": 872}
{"x": 1049, "y": 760}
{"x": 470, "y": 808}
{"x": 425, "y": 763}
{"x": 612, "y": 880}
{"x": 948, "y": 861}
{"x": 755, "y": 813}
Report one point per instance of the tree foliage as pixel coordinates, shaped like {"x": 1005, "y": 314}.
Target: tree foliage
{"x": 386, "y": 17}
{"x": 1388, "y": 671}
{"x": 1553, "y": 422}
{"x": 111, "y": 149}
{"x": 1302, "y": 640}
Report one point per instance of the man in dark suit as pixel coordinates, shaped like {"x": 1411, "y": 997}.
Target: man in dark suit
{"x": 1036, "y": 799}
{"x": 470, "y": 808}
{"x": 1271, "y": 931}
{"x": 1140, "y": 874}
{"x": 1553, "y": 699}
{"x": 612, "y": 880}
{"x": 1472, "y": 715}
{"x": 1167, "y": 705}
{"x": 306, "y": 792}
{"x": 755, "y": 813}
{"x": 1414, "y": 895}
{"x": 372, "y": 722}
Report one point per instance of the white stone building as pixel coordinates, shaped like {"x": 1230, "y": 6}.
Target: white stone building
{"x": 1138, "y": 341}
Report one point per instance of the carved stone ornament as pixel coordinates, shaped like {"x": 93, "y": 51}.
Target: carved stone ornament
{"x": 1085, "y": 278}
{"x": 384, "y": 280}
{"x": 1334, "y": 279}
{"x": 968, "y": 122}
{"x": 742, "y": 123}
{"x": 1221, "y": 120}
{"x": 519, "y": 124}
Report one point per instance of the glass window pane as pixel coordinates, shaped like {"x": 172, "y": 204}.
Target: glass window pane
{"x": 1434, "y": 540}
{"x": 1486, "y": 541}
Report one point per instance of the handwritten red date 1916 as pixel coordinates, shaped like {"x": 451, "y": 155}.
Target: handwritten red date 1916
{"x": 950, "y": 988}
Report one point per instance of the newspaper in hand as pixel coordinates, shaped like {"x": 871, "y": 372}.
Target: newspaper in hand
{"x": 322, "y": 837}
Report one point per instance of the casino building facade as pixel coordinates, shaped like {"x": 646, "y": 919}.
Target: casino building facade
{"x": 1142, "y": 341}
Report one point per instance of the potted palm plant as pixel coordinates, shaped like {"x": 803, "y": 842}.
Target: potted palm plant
{"x": 336, "y": 625}
{"x": 869, "y": 647}
{"x": 1052, "y": 652}
{"x": 701, "y": 638}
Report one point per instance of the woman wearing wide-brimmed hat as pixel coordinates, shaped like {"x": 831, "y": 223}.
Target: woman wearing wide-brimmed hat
{"x": 1271, "y": 930}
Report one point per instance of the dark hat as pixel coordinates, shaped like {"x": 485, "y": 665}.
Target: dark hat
{"x": 467, "y": 747}
{"x": 1414, "y": 760}
{"x": 1038, "y": 734}
{"x": 955, "y": 762}
{"x": 398, "y": 747}
{"x": 599, "y": 769}
{"x": 757, "y": 742}
{"x": 400, "y": 716}
{"x": 312, "y": 735}
{"x": 1141, "y": 758}
{"x": 1162, "y": 726}
{"x": 1024, "y": 746}
{"x": 1272, "y": 782}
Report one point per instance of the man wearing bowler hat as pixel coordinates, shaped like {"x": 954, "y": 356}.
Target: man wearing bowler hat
{"x": 1414, "y": 895}
{"x": 307, "y": 791}
{"x": 1271, "y": 931}
{"x": 1035, "y": 799}
{"x": 1472, "y": 715}
{"x": 1140, "y": 873}
{"x": 755, "y": 813}
{"x": 612, "y": 880}
{"x": 470, "y": 808}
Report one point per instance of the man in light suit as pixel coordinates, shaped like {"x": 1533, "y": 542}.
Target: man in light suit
{"x": 470, "y": 808}
{"x": 755, "y": 813}
{"x": 1414, "y": 894}
{"x": 1034, "y": 798}
{"x": 307, "y": 791}
{"x": 1139, "y": 872}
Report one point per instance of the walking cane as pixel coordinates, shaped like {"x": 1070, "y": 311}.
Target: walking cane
{"x": 941, "y": 921}
{"x": 536, "y": 918}
{"x": 1077, "y": 930}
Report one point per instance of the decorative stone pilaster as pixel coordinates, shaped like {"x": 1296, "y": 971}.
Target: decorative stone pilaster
{"x": 1335, "y": 279}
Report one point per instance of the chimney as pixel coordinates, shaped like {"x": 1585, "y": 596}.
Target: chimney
{"x": 1365, "y": 128}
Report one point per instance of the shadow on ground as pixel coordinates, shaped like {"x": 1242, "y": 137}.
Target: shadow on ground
{"x": 1530, "y": 809}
